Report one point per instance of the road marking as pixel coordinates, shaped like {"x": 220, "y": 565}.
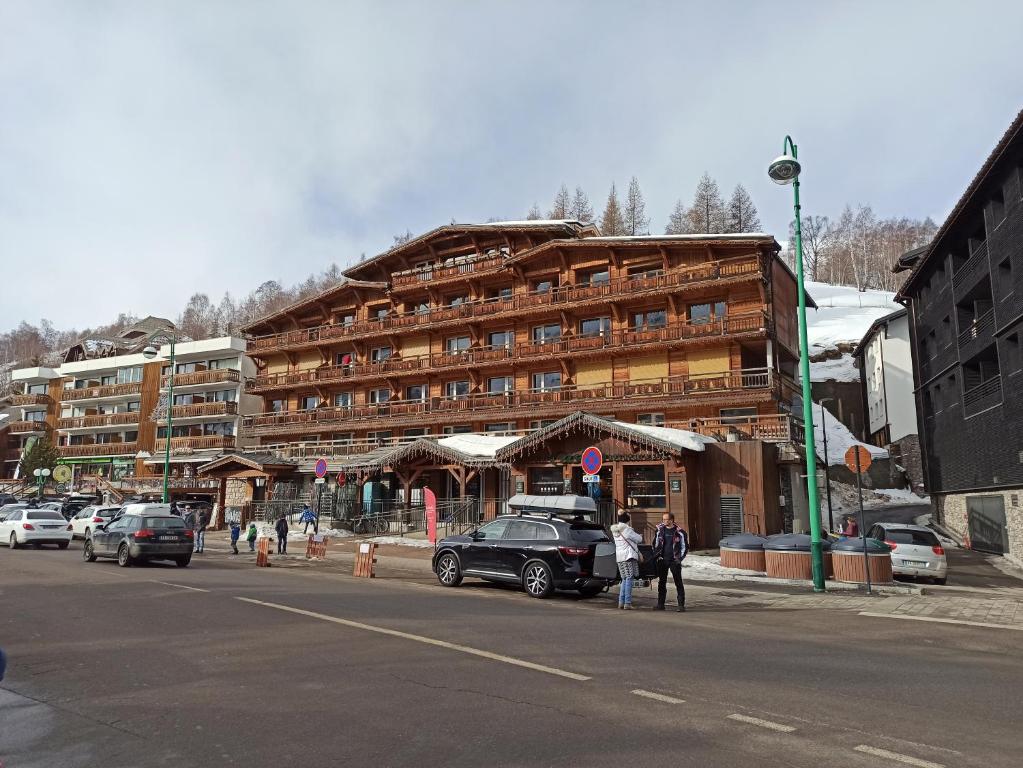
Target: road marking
{"x": 658, "y": 697}
{"x": 762, "y": 723}
{"x": 421, "y": 639}
{"x": 938, "y": 620}
{"x": 897, "y": 757}
{"x": 180, "y": 586}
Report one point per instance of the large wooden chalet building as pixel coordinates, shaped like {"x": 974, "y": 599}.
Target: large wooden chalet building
{"x": 509, "y": 328}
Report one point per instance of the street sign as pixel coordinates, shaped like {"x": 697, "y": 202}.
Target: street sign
{"x": 591, "y": 478}
{"x": 857, "y": 459}
{"x": 61, "y": 488}
{"x": 61, "y": 473}
{"x": 321, "y": 468}
{"x": 592, "y": 460}
{"x": 341, "y": 479}
{"x": 320, "y": 480}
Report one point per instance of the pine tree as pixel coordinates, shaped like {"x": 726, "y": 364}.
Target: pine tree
{"x": 534, "y": 213}
{"x": 562, "y": 204}
{"x": 636, "y": 221}
{"x": 612, "y": 222}
{"x": 41, "y": 454}
{"x": 742, "y": 213}
{"x": 679, "y": 221}
{"x": 707, "y": 215}
{"x": 581, "y": 210}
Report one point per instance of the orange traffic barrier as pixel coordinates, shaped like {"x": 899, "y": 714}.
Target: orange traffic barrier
{"x": 316, "y": 547}
{"x": 263, "y": 552}
{"x": 365, "y": 559}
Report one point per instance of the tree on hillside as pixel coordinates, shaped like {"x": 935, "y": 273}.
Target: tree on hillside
{"x": 199, "y": 319}
{"x": 562, "y": 204}
{"x": 403, "y": 238}
{"x": 679, "y": 221}
{"x": 707, "y": 214}
{"x": 636, "y": 221}
{"x": 612, "y": 222}
{"x": 534, "y": 213}
{"x": 742, "y": 215}
{"x": 581, "y": 210}
{"x": 41, "y": 454}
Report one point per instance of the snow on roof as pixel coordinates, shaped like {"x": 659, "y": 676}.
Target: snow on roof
{"x": 478, "y": 445}
{"x": 840, "y": 439}
{"x": 681, "y": 438}
{"x": 843, "y": 314}
{"x": 720, "y": 236}
{"x": 526, "y": 223}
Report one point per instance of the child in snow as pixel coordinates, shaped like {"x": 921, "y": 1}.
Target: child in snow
{"x": 250, "y": 536}
{"x": 236, "y": 532}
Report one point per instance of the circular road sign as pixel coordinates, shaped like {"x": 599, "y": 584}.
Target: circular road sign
{"x": 863, "y": 455}
{"x": 61, "y": 488}
{"x": 321, "y": 468}
{"x": 62, "y": 473}
{"x": 341, "y": 479}
{"x": 592, "y": 460}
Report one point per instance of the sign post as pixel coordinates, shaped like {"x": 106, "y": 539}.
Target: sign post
{"x": 857, "y": 459}
{"x": 321, "y": 479}
{"x": 431, "y": 515}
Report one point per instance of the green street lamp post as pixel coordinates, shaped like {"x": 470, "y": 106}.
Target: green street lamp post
{"x": 149, "y": 353}
{"x": 785, "y": 170}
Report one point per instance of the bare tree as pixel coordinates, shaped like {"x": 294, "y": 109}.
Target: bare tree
{"x": 679, "y": 221}
{"x": 707, "y": 214}
{"x": 581, "y": 210}
{"x": 636, "y": 221}
{"x": 534, "y": 213}
{"x": 403, "y": 238}
{"x": 612, "y": 222}
{"x": 562, "y": 204}
{"x": 742, "y": 215}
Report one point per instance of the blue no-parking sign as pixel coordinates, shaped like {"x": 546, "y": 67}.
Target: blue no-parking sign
{"x": 592, "y": 460}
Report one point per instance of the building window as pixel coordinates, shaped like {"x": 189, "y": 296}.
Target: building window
{"x": 380, "y": 354}
{"x": 223, "y": 363}
{"x": 456, "y": 389}
{"x": 700, "y": 314}
{"x": 131, "y": 437}
{"x": 421, "y": 307}
{"x": 35, "y": 389}
{"x": 277, "y": 406}
{"x": 107, "y": 380}
{"x": 595, "y": 326}
{"x": 497, "y": 385}
{"x": 457, "y": 301}
{"x": 737, "y": 415}
{"x": 546, "y": 481}
{"x": 416, "y": 392}
{"x": 344, "y": 399}
{"x": 379, "y": 396}
{"x": 544, "y": 285}
{"x": 222, "y": 396}
{"x": 453, "y": 345}
{"x": 309, "y": 401}
{"x": 38, "y": 416}
{"x": 188, "y": 399}
{"x": 347, "y": 320}
{"x": 416, "y": 432}
{"x": 645, "y": 270}
{"x": 379, "y": 313}
{"x": 541, "y": 423}
{"x": 458, "y": 429}
{"x": 500, "y": 293}
{"x": 132, "y": 406}
{"x": 343, "y": 437}
{"x": 343, "y": 358}
{"x": 544, "y": 334}
{"x": 186, "y": 368}
{"x": 225, "y": 428}
{"x": 504, "y": 426}
{"x": 651, "y": 419}
{"x": 499, "y": 339}
{"x": 547, "y": 382}
{"x": 381, "y": 437}
{"x": 644, "y": 486}
{"x": 652, "y": 318}
{"x": 595, "y": 277}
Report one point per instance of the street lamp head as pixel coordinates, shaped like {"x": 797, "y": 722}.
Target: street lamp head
{"x": 150, "y": 352}
{"x": 784, "y": 169}
{"x": 37, "y": 472}
{"x": 45, "y": 472}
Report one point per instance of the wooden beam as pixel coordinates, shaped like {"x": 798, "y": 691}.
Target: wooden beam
{"x": 665, "y": 261}
{"x": 616, "y": 258}
{"x": 563, "y": 259}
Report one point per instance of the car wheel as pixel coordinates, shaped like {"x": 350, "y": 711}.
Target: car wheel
{"x": 14, "y": 541}
{"x": 449, "y": 570}
{"x": 181, "y": 562}
{"x": 88, "y": 554}
{"x": 941, "y": 582}
{"x": 63, "y": 544}
{"x": 87, "y": 534}
{"x": 123, "y": 556}
{"x": 591, "y": 590}
{"x": 537, "y": 579}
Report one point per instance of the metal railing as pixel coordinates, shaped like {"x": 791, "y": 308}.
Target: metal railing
{"x": 982, "y": 396}
{"x": 774, "y": 427}
{"x": 98, "y": 420}
{"x": 974, "y": 266}
{"x": 979, "y": 329}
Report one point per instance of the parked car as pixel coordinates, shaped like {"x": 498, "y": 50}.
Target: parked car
{"x": 6, "y": 509}
{"x": 7, "y": 498}
{"x": 540, "y": 552}
{"x": 72, "y": 505}
{"x": 916, "y": 550}
{"x": 36, "y": 527}
{"x": 83, "y": 523}
{"x": 135, "y": 538}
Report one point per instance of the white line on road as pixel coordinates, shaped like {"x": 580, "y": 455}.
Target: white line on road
{"x": 939, "y": 620}
{"x": 180, "y": 586}
{"x": 897, "y": 757}
{"x": 422, "y": 639}
{"x": 658, "y": 697}
{"x": 762, "y": 723}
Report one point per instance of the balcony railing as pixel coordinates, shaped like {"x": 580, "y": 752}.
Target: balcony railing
{"x": 99, "y": 449}
{"x": 215, "y": 376}
{"x": 27, "y": 426}
{"x": 153, "y": 483}
{"x": 983, "y": 396}
{"x": 751, "y": 322}
{"x": 30, "y": 400}
{"x": 432, "y": 274}
{"x": 218, "y": 408}
{"x": 332, "y": 448}
{"x": 672, "y": 388}
{"x": 743, "y": 266}
{"x": 202, "y": 442}
{"x": 98, "y": 420}
{"x": 772, "y": 427}
{"x": 971, "y": 271}
{"x": 978, "y": 335}
{"x": 109, "y": 390}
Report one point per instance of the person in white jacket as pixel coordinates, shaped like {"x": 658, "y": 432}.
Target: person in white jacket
{"x": 627, "y": 543}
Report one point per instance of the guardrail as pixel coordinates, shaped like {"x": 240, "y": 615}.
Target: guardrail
{"x": 109, "y": 390}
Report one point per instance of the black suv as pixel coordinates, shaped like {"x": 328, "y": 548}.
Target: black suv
{"x": 134, "y": 538}
{"x": 540, "y": 552}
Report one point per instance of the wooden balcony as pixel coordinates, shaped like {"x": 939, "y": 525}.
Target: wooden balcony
{"x": 773, "y": 427}
{"x": 198, "y": 410}
{"x": 331, "y": 448}
{"x": 93, "y": 393}
{"x": 28, "y": 427}
{"x": 654, "y": 393}
{"x": 215, "y": 376}
{"x": 443, "y": 272}
{"x": 204, "y": 442}
{"x": 971, "y": 271}
{"x": 751, "y": 323}
{"x": 739, "y": 268}
{"x": 98, "y": 449}
{"x": 977, "y": 336}
{"x": 30, "y": 400}
{"x": 98, "y": 420}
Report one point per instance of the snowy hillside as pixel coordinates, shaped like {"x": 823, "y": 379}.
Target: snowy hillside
{"x": 840, "y": 439}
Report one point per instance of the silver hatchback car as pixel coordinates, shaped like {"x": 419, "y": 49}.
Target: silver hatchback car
{"x": 916, "y": 551}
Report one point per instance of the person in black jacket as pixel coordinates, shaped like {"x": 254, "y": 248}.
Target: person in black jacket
{"x": 282, "y": 534}
{"x": 670, "y": 547}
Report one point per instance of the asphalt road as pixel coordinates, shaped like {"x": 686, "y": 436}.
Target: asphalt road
{"x": 229, "y": 665}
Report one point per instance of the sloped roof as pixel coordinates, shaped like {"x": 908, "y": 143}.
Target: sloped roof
{"x": 257, "y": 461}
{"x": 874, "y": 328}
{"x": 148, "y": 325}
{"x": 342, "y": 284}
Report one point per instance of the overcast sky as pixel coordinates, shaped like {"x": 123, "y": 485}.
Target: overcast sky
{"x": 149, "y": 150}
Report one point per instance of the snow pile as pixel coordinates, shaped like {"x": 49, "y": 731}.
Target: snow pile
{"x": 843, "y": 316}
{"x": 403, "y": 542}
{"x": 902, "y": 496}
{"x": 706, "y": 568}
{"x": 840, "y": 439}
{"x": 681, "y": 438}
{"x": 333, "y": 533}
{"x": 478, "y": 445}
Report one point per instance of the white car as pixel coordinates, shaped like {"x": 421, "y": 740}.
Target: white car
{"x": 35, "y": 527}
{"x": 916, "y": 551}
{"x": 87, "y": 518}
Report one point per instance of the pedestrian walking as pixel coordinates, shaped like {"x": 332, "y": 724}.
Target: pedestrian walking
{"x": 670, "y": 547}
{"x": 251, "y": 535}
{"x": 308, "y": 516}
{"x": 236, "y": 532}
{"x": 199, "y": 526}
{"x": 189, "y": 518}
{"x": 282, "y": 534}
{"x": 627, "y": 543}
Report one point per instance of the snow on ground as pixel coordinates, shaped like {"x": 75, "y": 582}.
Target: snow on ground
{"x": 401, "y": 541}
{"x": 840, "y": 439}
{"x": 334, "y": 533}
{"x": 706, "y": 568}
{"x": 840, "y": 369}
{"x": 902, "y": 496}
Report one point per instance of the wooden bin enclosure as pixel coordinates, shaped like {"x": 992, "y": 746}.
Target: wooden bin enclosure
{"x": 744, "y": 551}
{"x": 848, "y": 561}
{"x": 788, "y": 557}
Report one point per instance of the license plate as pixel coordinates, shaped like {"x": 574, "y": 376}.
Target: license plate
{"x": 915, "y": 563}
{"x": 52, "y": 527}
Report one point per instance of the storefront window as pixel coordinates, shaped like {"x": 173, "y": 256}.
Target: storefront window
{"x": 546, "y": 481}
{"x": 644, "y": 487}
